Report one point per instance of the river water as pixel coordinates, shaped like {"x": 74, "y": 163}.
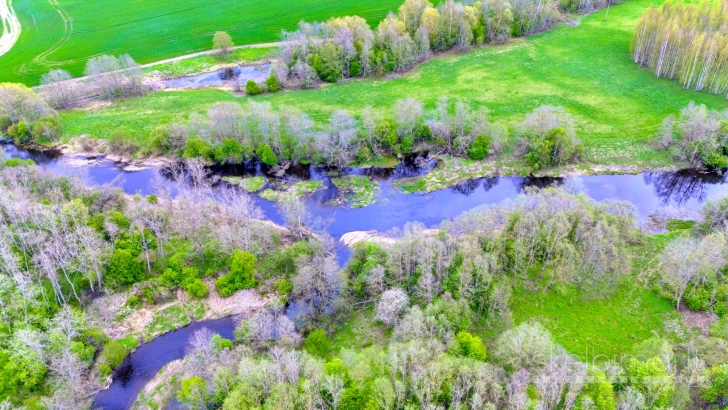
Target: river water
{"x": 684, "y": 191}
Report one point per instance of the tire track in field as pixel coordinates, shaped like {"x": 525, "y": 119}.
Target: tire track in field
{"x": 11, "y": 26}
{"x": 40, "y": 62}
{"x": 204, "y": 5}
{"x": 242, "y": 27}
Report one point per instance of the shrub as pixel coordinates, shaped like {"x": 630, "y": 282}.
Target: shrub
{"x": 717, "y": 391}
{"x": 114, "y": 353}
{"x": 479, "y": 148}
{"x": 196, "y": 288}
{"x": 19, "y": 133}
{"x": 471, "y": 346}
{"x": 242, "y": 268}
{"x": 194, "y": 393}
{"x": 284, "y": 288}
{"x": 652, "y": 379}
{"x": 124, "y": 269}
{"x": 273, "y": 84}
{"x": 231, "y": 150}
{"x": 219, "y": 343}
{"x": 252, "y": 88}
{"x": 317, "y": 343}
{"x": 47, "y": 128}
{"x": 122, "y": 143}
{"x": 160, "y": 141}
{"x": 698, "y": 299}
{"x": 266, "y": 155}
{"x": 196, "y": 147}
{"x": 5, "y": 123}
{"x": 554, "y": 149}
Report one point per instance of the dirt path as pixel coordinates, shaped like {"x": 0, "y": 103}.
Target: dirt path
{"x": 11, "y": 26}
{"x": 209, "y": 52}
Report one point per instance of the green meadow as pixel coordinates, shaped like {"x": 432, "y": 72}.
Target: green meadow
{"x": 66, "y": 33}
{"x": 585, "y": 68}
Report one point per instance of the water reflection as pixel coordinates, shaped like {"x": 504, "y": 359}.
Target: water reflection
{"x": 677, "y": 188}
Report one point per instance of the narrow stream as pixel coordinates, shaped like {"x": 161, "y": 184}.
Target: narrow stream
{"x": 141, "y": 366}
{"x": 686, "y": 191}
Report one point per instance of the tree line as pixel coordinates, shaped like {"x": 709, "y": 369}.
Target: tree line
{"x": 687, "y": 42}
{"x": 231, "y": 133}
{"x": 346, "y": 47}
{"x": 342, "y": 47}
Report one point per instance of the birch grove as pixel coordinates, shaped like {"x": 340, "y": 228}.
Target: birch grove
{"x": 687, "y": 42}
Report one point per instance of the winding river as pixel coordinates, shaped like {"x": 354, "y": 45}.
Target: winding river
{"x": 685, "y": 191}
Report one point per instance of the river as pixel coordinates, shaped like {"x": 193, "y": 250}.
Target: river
{"x": 685, "y": 191}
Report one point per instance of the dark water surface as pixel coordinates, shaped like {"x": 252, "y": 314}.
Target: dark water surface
{"x": 225, "y": 76}
{"x": 141, "y": 366}
{"x": 686, "y": 191}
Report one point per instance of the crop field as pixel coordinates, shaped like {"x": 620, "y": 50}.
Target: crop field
{"x": 587, "y": 69}
{"x": 66, "y": 33}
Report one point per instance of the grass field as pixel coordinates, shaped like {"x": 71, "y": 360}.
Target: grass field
{"x": 586, "y": 69}
{"x": 595, "y": 329}
{"x": 65, "y": 33}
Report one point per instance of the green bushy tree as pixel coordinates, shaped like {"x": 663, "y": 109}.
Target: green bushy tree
{"x": 124, "y": 268}
{"x": 242, "y": 269}
{"x": 273, "y": 84}
{"x": 469, "y": 345}
{"x": 479, "y": 148}
{"x": 266, "y": 155}
{"x": 317, "y": 343}
{"x": 252, "y": 88}
{"x": 196, "y": 147}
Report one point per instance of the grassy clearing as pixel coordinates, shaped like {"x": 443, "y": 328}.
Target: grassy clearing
{"x": 251, "y": 184}
{"x": 587, "y": 69}
{"x": 361, "y": 330}
{"x": 173, "y": 317}
{"x": 204, "y": 63}
{"x": 604, "y": 328}
{"x": 298, "y": 189}
{"x": 357, "y": 190}
{"x": 595, "y": 329}
{"x": 153, "y": 30}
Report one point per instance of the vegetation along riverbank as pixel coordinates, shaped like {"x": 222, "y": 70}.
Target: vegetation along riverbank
{"x": 611, "y": 106}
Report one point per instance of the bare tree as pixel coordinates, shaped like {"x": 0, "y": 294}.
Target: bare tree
{"x": 318, "y": 283}
{"x": 528, "y": 346}
{"x": 688, "y": 261}
{"x": 407, "y": 115}
{"x": 59, "y": 89}
{"x": 391, "y": 305}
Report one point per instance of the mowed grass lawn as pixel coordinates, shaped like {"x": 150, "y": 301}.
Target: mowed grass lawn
{"x": 586, "y": 69}
{"x": 152, "y": 30}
